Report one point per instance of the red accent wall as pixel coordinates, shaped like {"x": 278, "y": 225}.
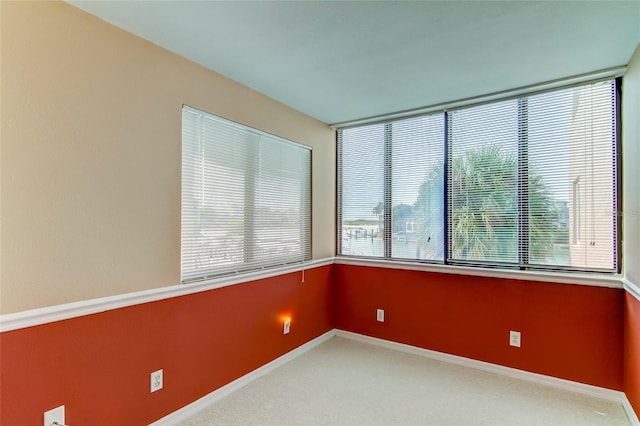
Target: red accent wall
{"x": 99, "y": 365}
{"x": 632, "y": 351}
{"x": 568, "y": 331}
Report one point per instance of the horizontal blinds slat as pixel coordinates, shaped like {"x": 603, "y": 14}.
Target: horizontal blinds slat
{"x": 246, "y": 200}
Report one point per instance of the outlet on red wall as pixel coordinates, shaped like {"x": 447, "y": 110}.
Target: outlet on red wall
{"x": 572, "y": 332}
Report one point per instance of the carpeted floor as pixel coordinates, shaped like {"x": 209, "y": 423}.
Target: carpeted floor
{"x": 343, "y": 382}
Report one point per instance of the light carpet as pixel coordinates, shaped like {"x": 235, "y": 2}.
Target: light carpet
{"x": 343, "y": 382}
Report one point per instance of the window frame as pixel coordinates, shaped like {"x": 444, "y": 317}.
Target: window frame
{"x": 255, "y": 163}
{"x": 523, "y": 202}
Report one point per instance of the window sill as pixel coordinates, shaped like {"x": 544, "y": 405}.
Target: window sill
{"x": 596, "y": 280}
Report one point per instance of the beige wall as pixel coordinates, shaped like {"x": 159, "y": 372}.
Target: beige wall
{"x": 631, "y": 168}
{"x": 90, "y": 163}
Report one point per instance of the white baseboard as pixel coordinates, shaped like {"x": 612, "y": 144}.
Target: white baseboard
{"x": 633, "y": 417}
{"x": 568, "y": 385}
{"x": 204, "y": 402}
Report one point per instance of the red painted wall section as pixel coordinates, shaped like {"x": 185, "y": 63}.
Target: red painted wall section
{"x": 99, "y": 365}
{"x": 632, "y": 351}
{"x": 568, "y": 331}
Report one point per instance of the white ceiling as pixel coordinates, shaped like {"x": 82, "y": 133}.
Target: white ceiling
{"x": 339, "y": 61}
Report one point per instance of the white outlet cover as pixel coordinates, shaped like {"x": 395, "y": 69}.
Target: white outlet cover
{"x": 53, "y": 416}
{"x": 156, "y": 381}
{"x": 514, "y": 338}
{"x": 380, "y": 315}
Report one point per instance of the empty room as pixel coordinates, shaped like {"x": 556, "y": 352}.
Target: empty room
{"x": 319, "y": 213}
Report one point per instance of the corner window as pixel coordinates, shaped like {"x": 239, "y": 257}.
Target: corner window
{"x": 246, "y": 198}
{"x": 526, "y": 183}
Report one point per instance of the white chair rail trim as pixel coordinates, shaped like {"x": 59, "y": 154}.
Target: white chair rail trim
{"x": 631, "y": 288}
{"x": 61, "y": 312}
{"x": 64, "y": 311}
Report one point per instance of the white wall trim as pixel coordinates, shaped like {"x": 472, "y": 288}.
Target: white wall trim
{"x": 568, "y": 385}
{"x": 612, "y": 281}
{"x": 632, "y": 288}
{"x": 195, "y": 407}
{"x": 65, "y": 311}
{"x": 633, "y": 417}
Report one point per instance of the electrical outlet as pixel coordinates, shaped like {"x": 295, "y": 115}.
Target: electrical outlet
{"x": 380, "y": 315}
{"x": 287, "y": 326}
{"x": 156, "y": 381}
{"x": 514, "y": 338}
{"x": 54, "y": 416}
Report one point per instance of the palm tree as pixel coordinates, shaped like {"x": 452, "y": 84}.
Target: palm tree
{"x": 483, "y": 209}
{"x": 484, "y": 205}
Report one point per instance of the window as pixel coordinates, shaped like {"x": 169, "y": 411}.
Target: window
{"x": 246, "y": 198}
{"x": 416, "y": 188}
{"x": 527, "y": 183}
{"x": 483, "y": 183}
{"x": 391, "y": 178}
{"x": 362, "y": 154}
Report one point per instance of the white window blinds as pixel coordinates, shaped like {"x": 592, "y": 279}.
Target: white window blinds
{"x": 533, "y": 180}
{"x": 527, "y": 182}
{"x": 361, "y": 192}
{"x": 246, "y": 198}
{"x": 417, "y": 199}
{"x": 571, "y": 138}
{"x": 483, "y": 183}
{"x": 391, "y": 198}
